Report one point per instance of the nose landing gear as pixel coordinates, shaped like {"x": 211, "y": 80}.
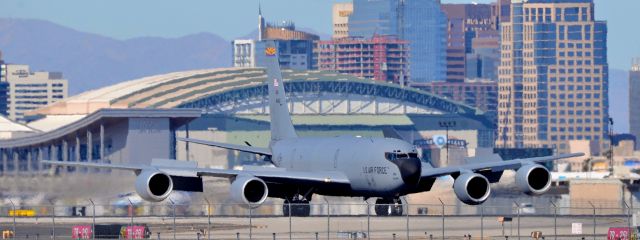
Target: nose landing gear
{"x": 389, "y": 207}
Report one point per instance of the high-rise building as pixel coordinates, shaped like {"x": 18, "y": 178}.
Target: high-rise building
{"x": 286, "y": 30}
{"x": 467, "y": 22}
{"x": 553, "y": 76}
{"x": 634, "y": 100}
{"x": 341, "y": 13}
{"x": 292, "y": 54}
{"x": 481, "y": 94}
{"x": 425, "y": 28}
{"x": 31, "y": 90}
{"x": 4, "y": 93}
{"x": 295, "y": 48}
{"x": 381, "y": 58}
{"x": 3, "y": 69}
{"x": 484, "y": 59}
{"x": 4, "y": 88}
{"x": 503, "y": 7}
{"x": 420, "y": 22}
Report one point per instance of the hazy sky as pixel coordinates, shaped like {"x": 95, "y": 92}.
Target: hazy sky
{"x": 123, "y": 19}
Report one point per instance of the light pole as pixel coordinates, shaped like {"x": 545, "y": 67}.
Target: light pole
{"x": 447, "y": 125}
{"x": 611, "y": 145}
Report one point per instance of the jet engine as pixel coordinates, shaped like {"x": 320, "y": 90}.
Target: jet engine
{"x": 249, "y": 191}
{"x": 533, "y": 179}
{"x": 472, "y": 188}
{"x": 153, "y": 186}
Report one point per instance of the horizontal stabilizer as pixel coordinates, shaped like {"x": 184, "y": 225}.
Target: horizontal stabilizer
{"x": 242, "y": 148}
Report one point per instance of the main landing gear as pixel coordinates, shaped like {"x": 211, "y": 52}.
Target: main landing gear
{"x": 297, "y": 207}
{"x": 389, "y": 207}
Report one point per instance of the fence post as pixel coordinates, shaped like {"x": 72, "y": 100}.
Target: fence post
{"x": 407, "y": 203}
{"x": 93, "y": 219}
{"x": 368, "y": 219}
{"x": 482, "y": 222}
{"x": 328, "y": 219}
{"x": 13, "y": 206}
{"x": 173, "y": 206}
{"x": 208, "y": 219}
{"x": 132, "y": 212}
{"x": 594, "y": 219}
{"x": 290, "y": 210}
{"x": 518, "y": 208}
{"x": 629, "y": 210}
{"x": 53, "y": 219}
{"x": 555, "y": 220}
{"x": 441, "y": 202}
{"x": 250, "y": 221}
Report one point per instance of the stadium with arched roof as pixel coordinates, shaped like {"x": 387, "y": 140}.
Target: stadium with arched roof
{"x": 241, "y": 90}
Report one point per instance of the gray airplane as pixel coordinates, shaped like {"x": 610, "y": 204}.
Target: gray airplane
{"x": 382, "y": 168}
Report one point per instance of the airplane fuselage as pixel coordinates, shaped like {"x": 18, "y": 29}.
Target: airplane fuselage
{"x": 361, "y": 159}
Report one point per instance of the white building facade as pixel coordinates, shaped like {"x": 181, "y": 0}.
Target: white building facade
{"x": 31, "y": 90}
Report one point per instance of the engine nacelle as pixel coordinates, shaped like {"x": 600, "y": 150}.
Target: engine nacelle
{"x": 249, "y": 191}
{"x": 153, "y": 186}
{"x": 472, "y": 188}
{"x": 533, "y": 179}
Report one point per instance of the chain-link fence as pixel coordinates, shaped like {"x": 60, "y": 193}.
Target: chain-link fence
{"x": 325, "y": 221}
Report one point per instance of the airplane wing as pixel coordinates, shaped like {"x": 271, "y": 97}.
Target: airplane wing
{"x": 274, "y": 175}
{"x": 491, "y": 167}
{"x": 242, "y": 148}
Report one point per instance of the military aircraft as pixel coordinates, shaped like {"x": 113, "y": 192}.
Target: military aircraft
{"x": 350, "y": 166}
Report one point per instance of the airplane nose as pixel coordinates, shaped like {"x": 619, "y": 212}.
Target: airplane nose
{"x": 410, "y": 170}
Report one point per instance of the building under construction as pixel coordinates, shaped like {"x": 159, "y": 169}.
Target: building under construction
{"x": 383, "y": 58}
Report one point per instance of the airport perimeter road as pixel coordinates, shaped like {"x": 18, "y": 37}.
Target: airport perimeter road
{"x": 420, "y": 227}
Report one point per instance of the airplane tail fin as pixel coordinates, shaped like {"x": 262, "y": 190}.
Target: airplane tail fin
{"x": 281, "y": 124}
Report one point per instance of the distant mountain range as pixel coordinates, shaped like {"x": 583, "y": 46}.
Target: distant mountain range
{"x": 91, "y": 61}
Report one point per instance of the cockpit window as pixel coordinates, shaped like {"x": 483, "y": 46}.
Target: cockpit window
{"x": 391, "y": 156}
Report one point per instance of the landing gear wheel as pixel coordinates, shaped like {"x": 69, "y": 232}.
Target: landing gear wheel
{"x": 388, "y": 207}
{"x": 297, "y": 208}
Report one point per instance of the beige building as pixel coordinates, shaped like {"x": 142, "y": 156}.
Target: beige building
{"x": 341, "y": 13}
{"x": 32, "y": 90}
{"x": 553, "y": 76}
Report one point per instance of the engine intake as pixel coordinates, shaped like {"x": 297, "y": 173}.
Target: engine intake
{"x": 533, "y": 179}
{"x": 472, "y": 188}
{"x": 249, "y": 191}
{"x": 153, "y": 186}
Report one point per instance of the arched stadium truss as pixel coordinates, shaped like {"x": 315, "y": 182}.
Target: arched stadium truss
{"x": 333, "y": 97}
{"x": 242, "y": 91}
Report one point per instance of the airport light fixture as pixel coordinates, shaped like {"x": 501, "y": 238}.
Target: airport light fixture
{"x": 447, "y": 125}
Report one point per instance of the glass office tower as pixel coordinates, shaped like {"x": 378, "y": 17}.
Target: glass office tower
{"x": 553, "y": 76}
{"x": 421, "y": 22}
